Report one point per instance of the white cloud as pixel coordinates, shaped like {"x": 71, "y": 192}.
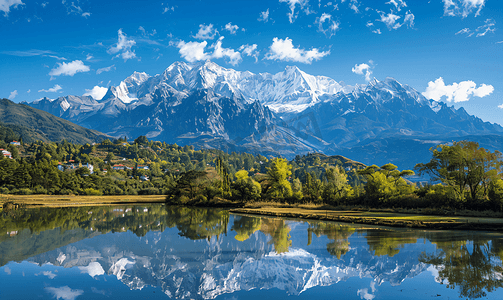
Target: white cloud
{"x": 195, "y": 51}
{"x": 481, "y": 30}
{"x": 5, "y": 5}
{"x": 206, "y": 32}
{"x": 124, "y": 46}
{"x": 13, "y": 95}
{"x": 34, "y": 52}
{"x": 264, "y": 16}
{"x": 69, "y": 69}
{"x": 390, "y": 20}
{"x": 364, "y": 294}
{"x": 354, "y": 6}
{"x": 409, "y": 18}
{"x": 488, "y": 27}
{"x": 457, "y": 92}
{"x": 293, "y": 3}
{"x": 231, "y": 28}
{"x": 106, "y": 69}
{"x": 465, "y": 31}
{"x": 7, "y": 270}
{"x": 332, "y": 25}
{"x": 71, "y": 8}
{"x": 250, "y": 50}
{"x": 54, "y": 89}
{"x": 49, "y": 274}
{"x": 285, "y": 51}
{"x": 219, "y": 52}
{"x": 89, "y": 57}
{"x": 500, "y": 106}
{"x": 462, "y": 7}
{"x": 28, "y": 91}
{"x": 93, "y": 269}
{"x": 358, "y": 69}
{"x": 399, "y": 4}
{"x": 64, "y": 292}
{"x": 96, "y": 92}
{"x": 378, "y": 31}
{"x": 167, "y": 8}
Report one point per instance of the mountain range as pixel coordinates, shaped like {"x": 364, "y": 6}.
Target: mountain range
{"x": 289, "y": 113}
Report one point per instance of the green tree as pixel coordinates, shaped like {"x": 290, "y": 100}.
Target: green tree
{"x": 463, "y": 166}
{"x": 336, "y": 186}
{"x": 277, "y": 175}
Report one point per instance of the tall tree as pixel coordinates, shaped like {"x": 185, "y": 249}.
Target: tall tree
{"x": 464, "y": 165}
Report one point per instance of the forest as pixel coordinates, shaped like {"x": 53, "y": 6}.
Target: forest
{"x": 460, "y": 175}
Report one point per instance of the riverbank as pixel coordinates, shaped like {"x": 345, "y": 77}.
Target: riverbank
{"x": 379, "y": 218}
{"x": 76, "y": 201}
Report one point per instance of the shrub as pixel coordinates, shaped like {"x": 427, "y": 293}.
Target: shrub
{"x": 92, "y": 192}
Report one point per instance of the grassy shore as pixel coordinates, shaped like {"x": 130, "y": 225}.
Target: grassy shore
{"x": 73, "y": 201}
{"x": 382, "y": 217}
{"x": 415, "y": 218}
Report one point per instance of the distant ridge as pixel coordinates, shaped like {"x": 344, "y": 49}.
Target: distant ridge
{"x": 34, "y": 124}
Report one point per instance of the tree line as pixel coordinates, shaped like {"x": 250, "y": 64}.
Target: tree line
{"x": 461, "y": 175}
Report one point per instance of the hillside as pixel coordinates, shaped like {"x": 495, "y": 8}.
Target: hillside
{"x": 33, "y": 124}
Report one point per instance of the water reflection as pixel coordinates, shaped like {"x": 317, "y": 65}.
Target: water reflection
{"x": 207, "y": 253}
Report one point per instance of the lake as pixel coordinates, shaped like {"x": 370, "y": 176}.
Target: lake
{"x": 163, "y": 252}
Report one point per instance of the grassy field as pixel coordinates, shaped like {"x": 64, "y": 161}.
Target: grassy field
{"x": 70, "y": 200}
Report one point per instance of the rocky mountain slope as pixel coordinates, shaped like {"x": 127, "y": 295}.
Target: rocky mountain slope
{"x": 287, "y": 113}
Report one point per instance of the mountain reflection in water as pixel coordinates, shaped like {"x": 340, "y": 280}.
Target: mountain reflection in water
{"x": 201, "y": 253}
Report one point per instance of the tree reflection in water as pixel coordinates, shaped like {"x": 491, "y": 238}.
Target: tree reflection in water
{"x": 386, "y": 242}
{"x": 245, "y": 227}
{"x": 338, "y": 234}
{"x": 279, "y": 233}
{"x": 197, "y": 223}
{"x": 467, "y": 264}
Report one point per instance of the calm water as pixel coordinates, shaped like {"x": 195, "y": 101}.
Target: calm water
{"x": 159, "y": 252}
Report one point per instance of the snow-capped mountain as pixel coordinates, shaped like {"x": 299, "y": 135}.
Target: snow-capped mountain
{"x": 287, "y": 113}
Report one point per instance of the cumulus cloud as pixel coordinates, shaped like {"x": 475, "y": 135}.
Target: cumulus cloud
{"x": 303, "y": 4}
{"x": 353, "y": 4}
{"x": 54, "y": 89}
{"x": 462, "y": 7}
{"x": 69, "y": 69}
{"x": 457, "y": 92}
{"x": 285, "y": 51}
{"x": 123, "y": 47}
{"x": 231, "y": 28}
{"x": 13, "y": 95}
{"x": 106, "y": 69}
{"x": 49, "y": 274}
{"x": 390, "y": 20}
{"x": 264, "y": 16}
{"x": 5, "y": 5}
{"x": 360, "y": 68}
{"x": 206, "y": 32}
{"x": 250, "y": 50}
{"x": 97, "y": 92}
{"x": 332, "y": 25}
{"x": 500, "y": 106}
{"x": 195, "y": 51}
{"x": 64, "y": 292}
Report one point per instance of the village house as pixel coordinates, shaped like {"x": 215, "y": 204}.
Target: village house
{"x": 141, "y": 167}
{"x": 118, "y": 167}
{"x": 15, "y": 143}
{"x": 6, "y": 153}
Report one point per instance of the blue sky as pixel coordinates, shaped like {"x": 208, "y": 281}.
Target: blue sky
{"x": 451, "y": 50}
